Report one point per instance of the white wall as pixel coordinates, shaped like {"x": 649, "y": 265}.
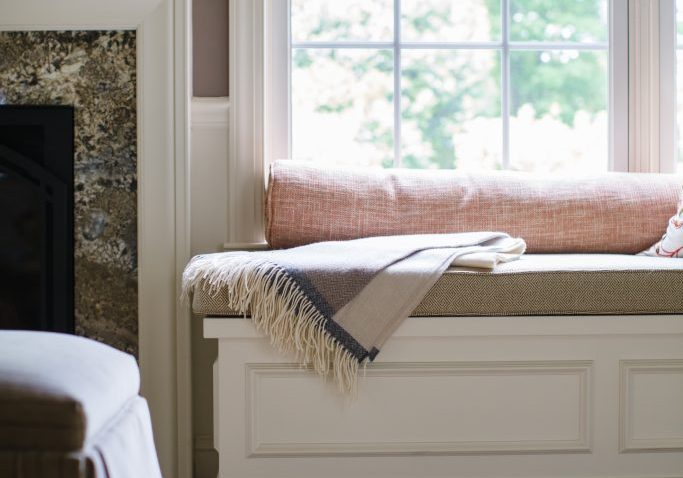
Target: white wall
{"x": 209, "y": 229}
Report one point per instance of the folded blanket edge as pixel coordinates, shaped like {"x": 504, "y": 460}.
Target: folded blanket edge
{"x": 278, "y": 308}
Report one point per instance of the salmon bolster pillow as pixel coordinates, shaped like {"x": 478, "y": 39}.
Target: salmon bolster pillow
{"x": 608, "y": 213}
{"x": 671, "y": 244}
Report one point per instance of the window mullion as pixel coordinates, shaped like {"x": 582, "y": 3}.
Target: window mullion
{"x": 618, "y": 88}
{"x": 397, "y": 83}
{"x": 505, "y": 82}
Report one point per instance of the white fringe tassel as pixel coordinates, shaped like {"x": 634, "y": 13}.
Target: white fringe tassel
{"x": 278, "y": 308}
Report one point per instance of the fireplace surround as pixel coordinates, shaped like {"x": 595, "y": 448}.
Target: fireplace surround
{"x": 159, "y": 57}
{"x": 95, "y": 74}
{"x": 36, "y": 226}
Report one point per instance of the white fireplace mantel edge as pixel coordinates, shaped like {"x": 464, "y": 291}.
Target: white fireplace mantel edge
{"x": 76, "y": 14}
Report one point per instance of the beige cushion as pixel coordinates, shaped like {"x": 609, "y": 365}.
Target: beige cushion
{"x": 542, "y": 284}
{"x": 57, "y": 390}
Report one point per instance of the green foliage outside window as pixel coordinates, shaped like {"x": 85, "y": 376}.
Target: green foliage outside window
{"x": 444, "y": 92}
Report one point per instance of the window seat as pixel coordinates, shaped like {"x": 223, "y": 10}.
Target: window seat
{"x": 540, "y": 284}
{"x": 565, "y": 363}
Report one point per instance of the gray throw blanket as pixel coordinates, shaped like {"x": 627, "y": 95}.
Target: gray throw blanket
{"x": 335, "y": 303}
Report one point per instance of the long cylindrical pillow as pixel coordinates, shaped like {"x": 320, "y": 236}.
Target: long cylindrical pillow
{"x": 606, "y": 213}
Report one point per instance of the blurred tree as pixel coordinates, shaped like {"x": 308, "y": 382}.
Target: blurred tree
{"x": 443, "y": 89}
{"x": 573, "y": 81}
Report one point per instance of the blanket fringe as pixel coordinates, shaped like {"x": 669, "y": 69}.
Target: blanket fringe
{"x": 278, "y": 308}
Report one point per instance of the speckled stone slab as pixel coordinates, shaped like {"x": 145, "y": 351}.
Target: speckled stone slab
{"x": 93, "y": 71}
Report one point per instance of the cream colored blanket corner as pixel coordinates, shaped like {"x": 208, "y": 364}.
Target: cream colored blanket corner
{"x": 335, "y": 304}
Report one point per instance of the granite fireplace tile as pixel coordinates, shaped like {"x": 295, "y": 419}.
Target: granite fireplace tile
{"x": 94, "y": 71}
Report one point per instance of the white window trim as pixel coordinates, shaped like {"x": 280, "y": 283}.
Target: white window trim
{"x": 652, "y": 86}
{"x": 618, "y": 90}
{"x": 246, "y": 165}
{"x": 278, "y": 140}
{"x": 644, "y": 91}
{"x": 667, "y": 87}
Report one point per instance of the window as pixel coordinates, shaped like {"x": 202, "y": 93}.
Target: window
{"x": 472, "y": 84}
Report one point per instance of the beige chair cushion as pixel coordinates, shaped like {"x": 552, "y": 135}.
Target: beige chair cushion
{"x": 541, "y": 284}
{"x": 57, "y": 390}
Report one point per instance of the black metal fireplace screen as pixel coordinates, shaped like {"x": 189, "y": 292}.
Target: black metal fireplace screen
{"x": 36, "y": 218}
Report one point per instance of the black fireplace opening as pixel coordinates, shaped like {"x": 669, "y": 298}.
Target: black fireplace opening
{"x": 36, "y": 218}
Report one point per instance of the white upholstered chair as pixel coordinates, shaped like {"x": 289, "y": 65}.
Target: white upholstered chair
{"x": 70, "y": 408}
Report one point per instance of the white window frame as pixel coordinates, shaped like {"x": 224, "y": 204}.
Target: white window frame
{"x": 668, "y": 47}
{"x": 278, "y": 92}
{"x": 652, "y": 126}
{"x": 246, "y": 164}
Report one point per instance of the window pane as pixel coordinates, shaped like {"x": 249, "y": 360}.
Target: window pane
{"x": 450, "y": 20}
{"x": 342, "y": 106}
{"x": 347, "y": 20}
{"x": 559, "y": 20}
{"x": 558, "y": 115}
{"x": 451, "y": 109}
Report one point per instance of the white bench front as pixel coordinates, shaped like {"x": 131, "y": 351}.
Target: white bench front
{"x": 560, "y": 396}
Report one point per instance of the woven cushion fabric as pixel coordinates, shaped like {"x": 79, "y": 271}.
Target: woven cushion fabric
{"x": 57, "y": 390}
{"x": 608, "y": 213}
{"x": 542, "y": 284}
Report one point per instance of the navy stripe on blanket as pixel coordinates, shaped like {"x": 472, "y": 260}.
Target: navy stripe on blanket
{"x": 331, "y": 327}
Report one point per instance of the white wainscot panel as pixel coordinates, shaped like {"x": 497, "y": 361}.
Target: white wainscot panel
{"x": 421, "y": 408}
{"x": 651, "y": 412}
